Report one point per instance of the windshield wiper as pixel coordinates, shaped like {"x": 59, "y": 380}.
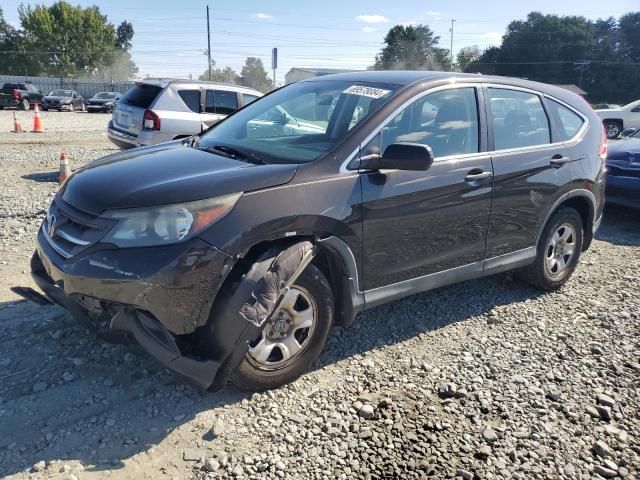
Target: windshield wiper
{"x": 236, "y": 153}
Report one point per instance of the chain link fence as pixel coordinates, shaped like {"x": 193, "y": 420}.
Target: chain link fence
{"x": 87, "y": 87}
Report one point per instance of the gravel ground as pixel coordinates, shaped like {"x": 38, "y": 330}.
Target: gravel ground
{"x": 486, "y": 379}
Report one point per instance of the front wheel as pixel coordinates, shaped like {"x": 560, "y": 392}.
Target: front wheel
{"x": 71, "y": 107}
{"x": 293, "y": 338}
{"x": 25, "y": 104}
{"x": 558, "y": 251}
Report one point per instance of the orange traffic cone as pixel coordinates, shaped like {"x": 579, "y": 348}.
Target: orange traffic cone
{"x": 37, "y": 123}
{"x": 65, "y": 171}
{"x": 17, "y": 128}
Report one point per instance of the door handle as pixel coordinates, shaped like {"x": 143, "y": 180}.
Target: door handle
{"x": 559, "y": 160}
{"x": 476, "y": 177}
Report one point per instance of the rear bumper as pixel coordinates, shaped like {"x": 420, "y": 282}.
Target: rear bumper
{"x": 144, "y": 138}
{"x": 9, "y": 103}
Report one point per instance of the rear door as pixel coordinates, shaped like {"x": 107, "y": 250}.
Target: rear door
{"x": 128, "y": 116}
{"x": 417, "y": 223}
{"x": 217, "y": 105}
{"x": 532, "y": 170}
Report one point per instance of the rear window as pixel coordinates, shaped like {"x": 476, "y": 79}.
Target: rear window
{"x": 16, "y": 86}
{"x": 568, "y": 123}
{"x": 222, "y": 102}
{"x": 191, "y": 99}
{"x": 141, "y": 95}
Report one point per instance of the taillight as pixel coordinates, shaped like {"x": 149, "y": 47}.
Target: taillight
{"x": 16, "y": 94}
{"x": 602, "y": 153}
{"x": 151, "y": 120}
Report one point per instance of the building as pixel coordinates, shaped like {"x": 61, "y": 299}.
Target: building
{"x": 296, "y": 74}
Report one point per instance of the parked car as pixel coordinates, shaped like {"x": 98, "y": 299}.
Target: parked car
{"x": 230, "y": 254}
{"x": 63, "y": 99}
{"x": 623, "y": 172}
{"x": 159, "y": 110}
{"x": 617, "y": 119}
{"x": 19, "y": 95}
{"x": 103, "y": 102}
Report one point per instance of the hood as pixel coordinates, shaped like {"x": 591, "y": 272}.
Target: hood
{"x": 623, "y": 149}
{"x": 165, "y": 174}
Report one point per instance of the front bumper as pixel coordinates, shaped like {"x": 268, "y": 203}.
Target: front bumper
{"x": 151, "y": 297}
{"x": 176, "y": 284}
{"x": 99, "y": 108}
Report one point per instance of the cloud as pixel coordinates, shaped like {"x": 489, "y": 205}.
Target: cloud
{"x": 372, "y": 18}
{"x": 368, "y": 29}
{"x": 492, "y": 37}
{"x": 431, "y": 13}
{"x": 264, "y": 16}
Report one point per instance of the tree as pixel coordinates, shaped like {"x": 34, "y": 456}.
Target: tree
{"x": 467, "y": 55}
{"x": 599, "y": 56}
{"x": 226, "y": 75}
{"x": 64, "y": 40}
{"x": 254, "y": 75}
{"x": 412, "y": 48}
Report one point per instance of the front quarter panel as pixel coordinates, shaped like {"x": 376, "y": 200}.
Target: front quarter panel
{"x": 324, "y": 206}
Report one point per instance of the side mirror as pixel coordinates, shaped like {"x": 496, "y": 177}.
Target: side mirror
{"x": 400, "y": 156}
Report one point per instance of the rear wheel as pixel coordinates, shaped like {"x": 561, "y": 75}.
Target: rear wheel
{"x": 612, "y": 127}
{"x": 293, "y": 338}
{"x": 558, "y": 251}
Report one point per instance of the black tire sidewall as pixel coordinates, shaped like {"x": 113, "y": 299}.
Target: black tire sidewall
{"x": 564, "y": 215}
{"x": 249, "y": 377}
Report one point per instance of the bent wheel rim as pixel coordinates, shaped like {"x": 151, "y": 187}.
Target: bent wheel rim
{"x": 560, "y": 251}
{"x": 287, "y": 334}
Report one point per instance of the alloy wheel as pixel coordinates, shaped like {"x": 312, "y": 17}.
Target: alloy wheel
{"x": 560, "y": 250}
{"x": 288, "y": 332}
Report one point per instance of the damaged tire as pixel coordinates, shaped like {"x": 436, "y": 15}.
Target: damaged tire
{"x": 294, "y": 337}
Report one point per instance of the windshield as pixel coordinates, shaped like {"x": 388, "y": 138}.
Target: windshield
{"x": 105, "y": 95}
{"x": 300, "y": 122}
{"x": 61, "y": 93}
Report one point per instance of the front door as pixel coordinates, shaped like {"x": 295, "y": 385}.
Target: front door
{"x": 418, "y": 223}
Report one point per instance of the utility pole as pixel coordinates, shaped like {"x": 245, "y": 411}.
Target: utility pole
{"x": 451, "y": 52}
{"x": 209, "y": 42}
{"x": 274, "y": 64}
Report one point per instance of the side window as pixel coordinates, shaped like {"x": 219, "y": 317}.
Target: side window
{"x": 519, "y": 120}
{"x": 248, "y": 98}
{"x": 222, "y": 102}
{"x": 636, "y": 109}
{"x": 447, "y": 121}
{"x": 191, "y": 99}
{"x": 568, "y": 123}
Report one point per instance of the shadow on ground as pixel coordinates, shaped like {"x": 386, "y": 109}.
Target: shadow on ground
{"x": 66, "y": 396}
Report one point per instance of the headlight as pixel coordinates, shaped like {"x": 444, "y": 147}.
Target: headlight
{"x": 66, "y": 100}
{"x": 142, "y": 227}
{"x": 108, "y": 104}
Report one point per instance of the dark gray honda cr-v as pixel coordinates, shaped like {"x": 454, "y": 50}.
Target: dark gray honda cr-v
{"x": 232, "y": 253}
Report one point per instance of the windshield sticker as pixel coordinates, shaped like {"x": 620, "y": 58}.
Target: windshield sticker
{"x": 366, "y": 91}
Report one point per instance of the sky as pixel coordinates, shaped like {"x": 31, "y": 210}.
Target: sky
{"x": 171, "y": 36}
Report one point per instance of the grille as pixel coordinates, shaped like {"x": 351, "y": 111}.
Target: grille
{"x": 70, "y": 231}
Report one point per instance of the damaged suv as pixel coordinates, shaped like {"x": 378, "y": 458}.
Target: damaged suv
{"x": 230, "y": 254}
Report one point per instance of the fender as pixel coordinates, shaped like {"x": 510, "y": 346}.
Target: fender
{"x": 580, "y": 192}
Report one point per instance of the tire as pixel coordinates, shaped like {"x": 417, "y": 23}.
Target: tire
{"x": 254, "y": 375}
{"x": 25, "y": 104}
{"x": 71, "y": 107}
{"x": 612, "y": 127}
{"x": 84, "y": 107}
{"x": 553, "y": 265}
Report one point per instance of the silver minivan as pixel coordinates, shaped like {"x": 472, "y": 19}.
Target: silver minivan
{"x": 159, "y": 110}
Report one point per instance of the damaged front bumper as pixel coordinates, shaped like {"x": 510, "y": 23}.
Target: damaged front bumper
{"x": 155, "y": 296}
